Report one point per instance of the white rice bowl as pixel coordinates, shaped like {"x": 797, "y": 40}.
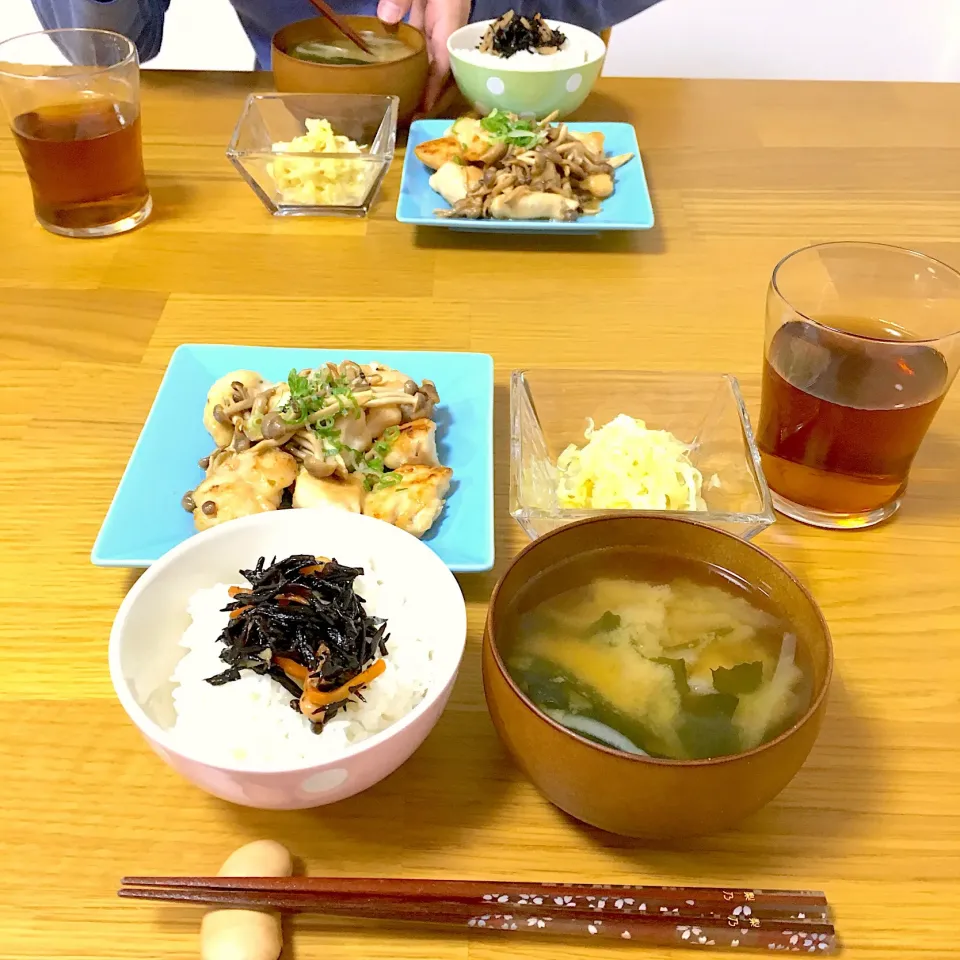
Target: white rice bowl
{"x": 581, "y": 47}
{"x": 529, "y": 60}
{"x": 242, "y": 741}
{"x": 249, "y": 722}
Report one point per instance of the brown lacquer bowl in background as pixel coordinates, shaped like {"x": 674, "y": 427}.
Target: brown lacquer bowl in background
{"x": 405, "y": 78}
{"x": 640, "y": 796}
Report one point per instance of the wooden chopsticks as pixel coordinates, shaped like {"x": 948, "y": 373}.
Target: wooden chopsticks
{"x": 341, "y": 25}
{"x": 792, "y": 920}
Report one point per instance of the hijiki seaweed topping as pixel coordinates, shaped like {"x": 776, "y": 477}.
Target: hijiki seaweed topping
{"x": 301, "y": 623}
{"x": 513, "y": 34}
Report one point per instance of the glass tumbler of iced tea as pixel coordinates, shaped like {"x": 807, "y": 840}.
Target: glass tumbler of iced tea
{"x": 73, "y": 99}
{"x": 862, "y": 343}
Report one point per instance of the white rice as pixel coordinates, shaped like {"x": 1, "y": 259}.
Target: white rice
{"x": 249, "y": 722}
{"x": 570, "y": 55}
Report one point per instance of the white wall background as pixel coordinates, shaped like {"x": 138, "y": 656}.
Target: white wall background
{"x": 788, "y": 39}
{"x": 791, "y": 39}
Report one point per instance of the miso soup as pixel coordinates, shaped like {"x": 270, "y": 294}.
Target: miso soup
{"x": 340, "y": 50}
{"x": 669, "y": 658}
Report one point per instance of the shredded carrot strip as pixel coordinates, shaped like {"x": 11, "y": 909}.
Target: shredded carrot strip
{"x": 233, "y": 591}
{"x": 296, "y": 671}
{"x": 315, "y": 568}
{"x": 287, "y": 598}
{"x": 323, "y": 698}
{"x": 236, "y": 613}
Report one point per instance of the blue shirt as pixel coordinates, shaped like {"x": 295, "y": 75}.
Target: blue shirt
{"x": 142, "y": 20}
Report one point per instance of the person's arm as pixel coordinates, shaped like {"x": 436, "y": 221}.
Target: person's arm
{"x": 437, "y": 19}
{"x": 595, "y": 15}
{"x": 140, "y": 20}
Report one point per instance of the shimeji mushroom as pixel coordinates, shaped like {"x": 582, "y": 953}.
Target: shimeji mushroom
{"x": 357, "y": 434}
{"x": 426, "y": 399}
{"x": 494, "y": 153}
{"x": 242, "y": 413}
{"x": 318, "y": 457}
{"x": 230, "y": 389}
{"x": 263, "y": 402}
{"x": 246, "y": 414}
{"x": 563, "y": 175}
{"x": 278, "y": 431}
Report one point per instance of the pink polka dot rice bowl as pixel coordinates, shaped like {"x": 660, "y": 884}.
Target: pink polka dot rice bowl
{"x": 528, "y": 84}
{"x": 242, "y": 741}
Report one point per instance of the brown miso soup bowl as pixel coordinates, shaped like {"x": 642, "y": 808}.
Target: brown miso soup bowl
{"x": 405, "y": 78}
{"x": 633, "y": 795}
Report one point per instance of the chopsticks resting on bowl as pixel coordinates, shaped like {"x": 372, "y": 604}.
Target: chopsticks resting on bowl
{"x": 790, "y": 920}
{"x": 341, "y": 25}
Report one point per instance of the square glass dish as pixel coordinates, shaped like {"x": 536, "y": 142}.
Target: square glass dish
{"x": 303, "y": 182}
{"x": 549, "y": 410}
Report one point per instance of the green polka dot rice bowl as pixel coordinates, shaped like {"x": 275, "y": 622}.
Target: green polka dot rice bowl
{"x": 528, "y": 84}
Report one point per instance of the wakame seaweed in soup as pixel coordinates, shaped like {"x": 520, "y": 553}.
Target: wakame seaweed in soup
{"x": 670, "y": 659}
{"x": 342, "y": 51}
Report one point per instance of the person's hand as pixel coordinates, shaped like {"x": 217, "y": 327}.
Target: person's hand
{"x": 437, "y": 19}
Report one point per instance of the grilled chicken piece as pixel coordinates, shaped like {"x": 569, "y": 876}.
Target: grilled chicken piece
{"x": 533, "y": 206}
{"x": 388, "y": 376}
{"x": 415, "y": 502}
{"x": 240, "y": 484}
{"x": 311, "y": 492}
{"x": 224, "y": 395}
{"x": 454, "y": 180}
{"x": 593, "y": 141}
{"x": 417, "y": 443}
{"x": 381, "y": 418}
{"x": 359, "y": 433}
{"x": 473, "y": 139}
{"x": 599, "y": 185}
{"x": 435, "y": 153}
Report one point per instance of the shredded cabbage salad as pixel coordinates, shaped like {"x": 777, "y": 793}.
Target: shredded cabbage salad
{"x": 320, "y": 182}
{"x": 625, "y": 466}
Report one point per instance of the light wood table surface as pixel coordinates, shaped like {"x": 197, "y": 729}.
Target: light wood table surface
{"x": 741, "y": 174}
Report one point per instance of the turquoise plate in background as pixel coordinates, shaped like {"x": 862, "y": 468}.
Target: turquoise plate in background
{"x": 630, "y": 207}
{"x": 145, "y": 519}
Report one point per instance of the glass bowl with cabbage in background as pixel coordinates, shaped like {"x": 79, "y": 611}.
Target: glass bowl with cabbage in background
{"x": 298, "y": 182}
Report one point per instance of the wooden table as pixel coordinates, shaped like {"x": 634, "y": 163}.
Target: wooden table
{"x": 741, "y": 174}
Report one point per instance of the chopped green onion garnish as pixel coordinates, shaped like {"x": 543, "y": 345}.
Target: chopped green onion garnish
{"x": 514, "y": 132}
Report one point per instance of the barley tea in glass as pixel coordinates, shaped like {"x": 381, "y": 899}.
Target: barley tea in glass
{"x": 862, "y": 342}
{"x": 73, "y": 100}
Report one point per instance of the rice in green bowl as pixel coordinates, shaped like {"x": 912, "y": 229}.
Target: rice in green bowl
{"x": 527, "y": 83}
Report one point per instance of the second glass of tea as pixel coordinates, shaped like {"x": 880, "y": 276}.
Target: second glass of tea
{"x": 73, "y": 99}
{"x": 862, "y": 343}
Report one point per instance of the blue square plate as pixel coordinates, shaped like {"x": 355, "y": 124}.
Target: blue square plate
{"x": 628, "y": 209}
{"x": 145, "y": 519}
